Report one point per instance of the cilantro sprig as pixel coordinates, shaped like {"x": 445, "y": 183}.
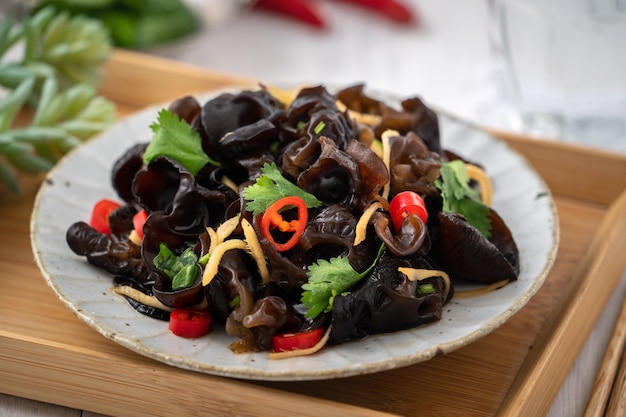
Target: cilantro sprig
{"x": 327, "y": 280}
{"x": 271, "y": 187}
{"x": 460, "y": 198}
{"x": 175, "y": 138}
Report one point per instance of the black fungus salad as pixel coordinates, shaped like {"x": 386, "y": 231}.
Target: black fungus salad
{"x": 295, "y": 219}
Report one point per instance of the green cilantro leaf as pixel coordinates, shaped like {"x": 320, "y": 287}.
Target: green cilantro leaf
{"x": 327, "y": 280}
{"x": 460, "y": 198}
{"x": 271, "y": 187}
{"x": 176, "y": 139}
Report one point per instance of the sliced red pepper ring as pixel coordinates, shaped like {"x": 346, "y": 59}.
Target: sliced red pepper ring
{"x": 297, "y": 341}
{"x": 272, "y": 219}
{"x": 99, "y": 219}
{"x": 405, "y": 203}
{"x": 139, "y": 219}
{"x": 190, "y": 323}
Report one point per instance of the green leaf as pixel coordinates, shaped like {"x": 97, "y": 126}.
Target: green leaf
{"x": 29, "y": 163}
{"x": 166, "y": 261}
{"x": 459, "y": 197}
{"x": 62, "y": 61}
{"x": 271, "y": 187}
{"x": 176, "y": 139}
{"x": 185, "y": 277}
{"x": 11, "y": 105}
{"x": 182, "y": 270}
{"x": 8, "y": 179}
{"x": 327, "y": 280}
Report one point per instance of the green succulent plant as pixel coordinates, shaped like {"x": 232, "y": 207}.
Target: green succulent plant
{"x": 59, "y": 65}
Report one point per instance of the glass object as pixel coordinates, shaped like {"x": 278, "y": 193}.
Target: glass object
{"x": 565, "y": 67}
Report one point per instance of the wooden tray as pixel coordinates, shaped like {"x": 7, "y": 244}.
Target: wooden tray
{"x": 47, "y": 354}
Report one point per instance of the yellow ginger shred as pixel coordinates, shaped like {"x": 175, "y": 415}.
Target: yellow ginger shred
{"x": 480, "y": 291}
{"x": 138, "y": 296}
{"x": 483, "y": 180}
{"x": 227, "y": 228}
{"x": 229, "y": 183}
{"x": 256, "y": 250}
{"x": 210, "y": 270}
{"x": 387, "y": 158}
{"x": 361, "y": 226}
{"x": 134, "y": 237}
{"x": 419, "y": 274}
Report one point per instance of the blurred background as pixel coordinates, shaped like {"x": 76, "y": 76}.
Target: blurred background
{"x": 440, "y": 52}
{"x": 449, "y": 52}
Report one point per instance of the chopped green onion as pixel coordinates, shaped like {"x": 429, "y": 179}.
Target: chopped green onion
{"x": 320, "y": 126}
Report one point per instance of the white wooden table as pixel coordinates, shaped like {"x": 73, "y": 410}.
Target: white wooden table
{"x": 445, "y": 60}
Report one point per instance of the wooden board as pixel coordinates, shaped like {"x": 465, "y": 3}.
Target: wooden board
{"x": 47, "y": 354}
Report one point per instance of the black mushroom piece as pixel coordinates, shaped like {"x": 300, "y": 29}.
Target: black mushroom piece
{"x": 387, "y": 301}
{"x": 374, "y": 173}
{"x": 254, "y": 318}
{"x": 116, "y": 257}
{"x": 414, "y": 166}
{"x": 466, "y": 254}
{"x": 233, "y": 281}
{"x": 181, "y": 298}
{"x": 145, "y": 288}
{"x": 124, "y": 170}
{"x": 414, "y": 116}
{"x": 312, "y": 114}
{"x": 186, "y": 108}
{"x": 334, "y": 178}
{"x": 180, "y": 209}
{"x": 330, "y": 233}
{"x": 231, "y": 123}
{"x": 412, "y": 238}
{"x": 287, "y": 272}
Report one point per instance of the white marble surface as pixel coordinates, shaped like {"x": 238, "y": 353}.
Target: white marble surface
{"x": 446, "y": 60}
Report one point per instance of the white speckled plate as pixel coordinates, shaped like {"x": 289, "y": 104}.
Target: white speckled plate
{"x": 83, "y": 177}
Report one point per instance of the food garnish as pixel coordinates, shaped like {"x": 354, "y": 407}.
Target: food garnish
{"x": 404, "y": 204}
{"x": 182, "y": 269}
{"x": 458, "y": 197}
{"x": 100, "y": 213}
{"x": 327, "y": 280}
{"x": 271, "y": 187}
{"x": 272, "y": 219}
{"x": 174, "y": 137}
{"x": 189, "y": 323}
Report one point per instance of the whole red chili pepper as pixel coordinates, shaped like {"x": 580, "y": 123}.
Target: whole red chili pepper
{"x": 391, "y": 9}
{"x": 302, "y": 10}
{"x": 272, "y": 219}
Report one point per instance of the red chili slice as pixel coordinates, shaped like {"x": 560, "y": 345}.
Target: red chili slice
{"x": 138, "y": 221}
{"x": 100, "y": 215}
{"x": 190, "y": 323}
{"x": 272, "y": 219}
{"x": 300, "y": 340}
{"x": 405, "y": 203}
